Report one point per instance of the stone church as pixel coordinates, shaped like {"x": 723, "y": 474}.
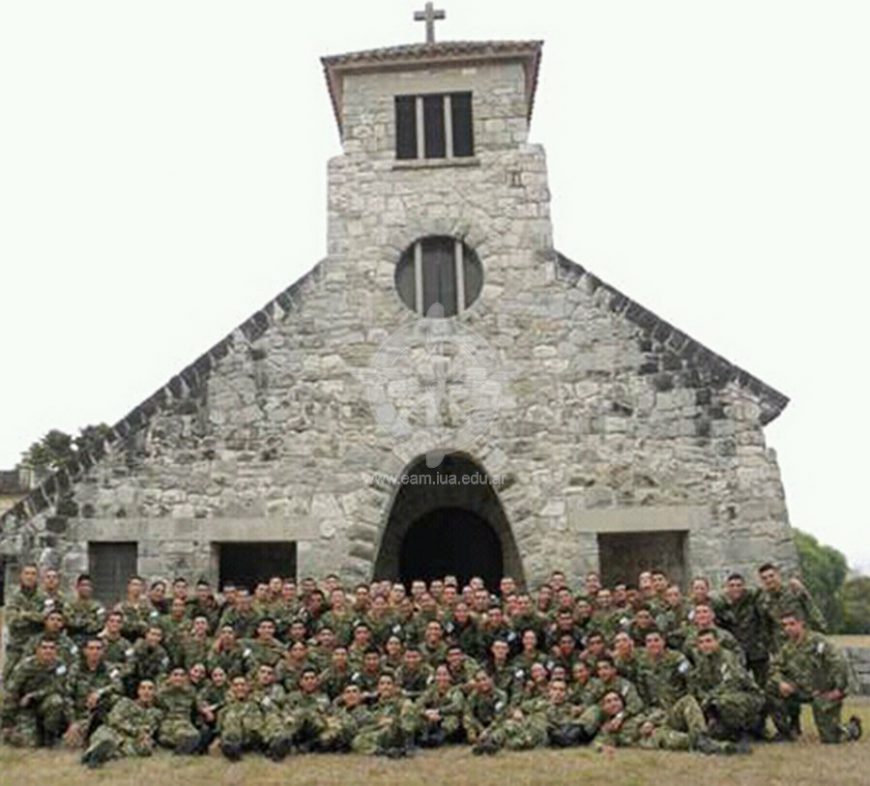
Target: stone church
{"x": 445, "y": 392}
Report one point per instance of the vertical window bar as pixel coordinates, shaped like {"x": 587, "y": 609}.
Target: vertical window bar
{"x": 460, "y": 277}
{"x": 418, "y": 277}
{"x": 448, "y": 126}
{"x": 421, "y": 133}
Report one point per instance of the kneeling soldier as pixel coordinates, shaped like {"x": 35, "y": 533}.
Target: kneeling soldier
{"x": 809, "y": 669}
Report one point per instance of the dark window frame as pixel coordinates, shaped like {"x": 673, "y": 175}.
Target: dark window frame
{"x": 434, "y": 126}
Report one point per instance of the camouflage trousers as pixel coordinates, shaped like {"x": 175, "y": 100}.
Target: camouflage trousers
{"x": 35, "y": 725}
{"x": 785, "y": 713}
{"x": 386, "y": 734}
{"x": 237, "y": 730}
{"x": 337, "y": 735}
{"x": 176, "y": 731}
{"x": 304, "y": 726}
{"x": 665, "y": 739}
{"x": 684, "y": 715}
{"x": 119, "y": 745}
{"x": 517, "y": 735}
{"x": 733, "y": 714}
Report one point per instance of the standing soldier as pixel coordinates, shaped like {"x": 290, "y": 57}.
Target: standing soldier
{"x": 739, "y": 612}
{"x": 777, "y": 598}
{"x": 129, "y": 730}
{"x": 36, "y": 707}
{"x": 24, "y": 616}
{"x": 85, "y": 617}
{"x": 809, "y": 669}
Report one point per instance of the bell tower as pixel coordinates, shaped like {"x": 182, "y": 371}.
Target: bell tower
{"x": 438, "y": 203}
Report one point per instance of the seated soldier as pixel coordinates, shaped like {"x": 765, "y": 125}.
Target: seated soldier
{"x": 344, "y": 721}
{"x": 437, "y": 713}
{"x": 484, "y": 705}
{"x": 129, "y": 730}
{"x": 732, "y": 702}
{"x": 240, "y": 722}
{"x": 810, "y": 669}
{"x": 36, "y": 704}
{"x": 564, "y": 727}
{"x": 386, "y": 733}
{"x": 305, "y": 711}
{"x": 522, "y": 727}
{"x": 178, "y": 702}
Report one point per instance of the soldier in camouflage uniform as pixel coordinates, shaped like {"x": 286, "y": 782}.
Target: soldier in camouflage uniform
{"x": 739, "y": 612}
{"x": 413, "y": 675}
{"x": 129, "y": 730}
{"x": 522, "y": 727}
{"x": 136, "y": 611}
{"x": 53, "y": 628}
{"x": 337, "y": 674}
{"x": 703, "y": 619}
{"x": 264, "y": 647}
{"x": 809, "y": 669}
{"x": 776, "y": 598}
{"x": 117, "y": 650}
{"x": 240, "y": 722}
{"x": 228, "y": 653}
{"x": 484, "y": 705}
{"x": 733, "y": 704}
{"x": 344, "y": 721}
{"x": 94, "y": 687}
{"x": 24, "y": 616}
{"x": 437, "y": 713}
{"x": 305, "y": 711}
{"x": 36, "y": 705}
{"x": 564, "y": 727}
{"x": 84, "y": 616}
{"x": 175, "y": 625}
{"x": 178, "y": 702}
{"x": 148, "y": 659}
{"x": 386, "y": 732}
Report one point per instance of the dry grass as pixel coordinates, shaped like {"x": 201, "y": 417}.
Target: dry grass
{"x": 805, "y": 762}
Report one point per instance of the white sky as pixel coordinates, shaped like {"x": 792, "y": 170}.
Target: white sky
{"x": 163, "y": 175}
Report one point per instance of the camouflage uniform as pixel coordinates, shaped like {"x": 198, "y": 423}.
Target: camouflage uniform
{"x": 773, "y": 604}
{"x": 45, "y": 718}
{"x": 240, "y": 724}
{"x": 176, "y": 726}
{"x": 137, "y": 618}
{"x": 481, "y": 711}
{"x": 386, "y": 728}
{"x": 235, "y": 661}
{"x": 814, "y": 666}
{"x": 732, "y": 702}
{"x": 305, "y": 716}
{"x": 726, "y": 642}
{"x": 342, "y": 726}
{"x": 744, "y": 619}
{"x": 523, "y": 727}
{"x": 84, "y": 618}
{"x": 146, "y": 663}
{"x": 413, "y": 682}
{"x": 448, "y": 728}
{"x": 105, "y": 683}
{"x": 25, "y": 611}
{"x": 663, "y": 687}
{"x": 128, "y": 731}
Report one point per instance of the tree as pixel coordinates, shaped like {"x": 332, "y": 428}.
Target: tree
{"x": 856, "y": 605}
{"x": 824, "y": 570}
{"x": 57, "y": 449}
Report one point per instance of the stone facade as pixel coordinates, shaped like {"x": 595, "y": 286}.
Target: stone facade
{"x": 599, "y": 416}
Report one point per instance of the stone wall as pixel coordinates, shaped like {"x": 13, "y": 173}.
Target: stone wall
{"x": 596, "y": 409}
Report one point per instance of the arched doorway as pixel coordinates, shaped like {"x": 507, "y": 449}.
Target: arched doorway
{"x": 451, "y": 541}
{"x": 447, "y": 520}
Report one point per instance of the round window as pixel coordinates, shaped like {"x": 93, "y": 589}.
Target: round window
{"x": 439, "y": 276}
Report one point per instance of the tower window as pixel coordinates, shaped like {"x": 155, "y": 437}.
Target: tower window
{"x": 439, "y": 277}
{"x": 434, "y": 126}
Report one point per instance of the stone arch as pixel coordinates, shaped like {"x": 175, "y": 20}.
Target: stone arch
{"x": 463, "y": 512}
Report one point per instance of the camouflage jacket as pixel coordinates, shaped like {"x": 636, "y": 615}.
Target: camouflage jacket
{"x": 813, "y": 665}
{"x": 148, "y": 663}
{"x": 177, "y": 703}
{"x": 726, "y": 641}
{"x": 450, "y": 703}
{"x": 774, "y": 604}
{"x": 84, "y": 618}
{"x": 719, "y": 673}
{"x": 745, "y": 620}
{"x": 104, "y": 681}
{"x": 24, "y": 615}
{"x": 482, "y": 710}
{"x": 662, "y": 681}
{"x": 131, "y": 719}
{"x": 30, "y": 677}
{"x": 628, "y": 691}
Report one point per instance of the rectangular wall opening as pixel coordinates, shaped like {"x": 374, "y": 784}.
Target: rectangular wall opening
{"x": 110, "y": 566}
{"x": 623, "y": 556}
{"x": 245, "y": 564}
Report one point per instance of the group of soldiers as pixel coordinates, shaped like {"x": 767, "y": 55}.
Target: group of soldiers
{"x": 317, "y": 666}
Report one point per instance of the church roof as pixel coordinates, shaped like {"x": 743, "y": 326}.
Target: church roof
{"x": 425, "y": 55}
{"x": 715, "y": 369}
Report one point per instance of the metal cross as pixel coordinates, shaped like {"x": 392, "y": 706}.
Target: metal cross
{"x": 429, "y": 16}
